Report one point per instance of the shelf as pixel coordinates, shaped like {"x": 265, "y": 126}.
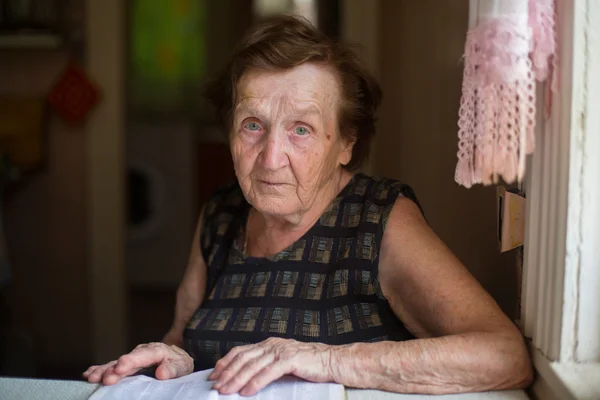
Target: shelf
{"x": 30, "y": 41}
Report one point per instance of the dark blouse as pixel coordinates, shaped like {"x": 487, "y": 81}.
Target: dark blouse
{"x": 323, "y": 288}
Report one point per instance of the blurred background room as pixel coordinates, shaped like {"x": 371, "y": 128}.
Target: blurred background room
{"x": 108, "y": 151}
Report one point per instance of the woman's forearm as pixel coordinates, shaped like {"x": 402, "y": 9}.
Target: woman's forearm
{"x": 192, "y": 287}
{"x": 451, "y": 364}
{"x": 189, "y": 295}
{"x": 188, "y": 301}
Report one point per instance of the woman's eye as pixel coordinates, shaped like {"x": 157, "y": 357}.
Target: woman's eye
{"x": 252, "y": 126}
{"x": 301, "y": 130}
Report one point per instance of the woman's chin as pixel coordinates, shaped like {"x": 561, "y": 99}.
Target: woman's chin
{"x": 274, "y": 205}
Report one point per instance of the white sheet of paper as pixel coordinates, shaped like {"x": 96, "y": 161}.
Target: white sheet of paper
{"x": 196, "y": 387}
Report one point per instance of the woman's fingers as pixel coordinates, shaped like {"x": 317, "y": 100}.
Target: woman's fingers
{"x": 166, "y": 371}
{"x": 178, "y": 363}
{"x": 173, "y": 369}
{"x": 141, "y": 357}
{"x": 237, "y": 363}
{"x": 89, "y": 371}
{"x": 96, "y": 375}
{"x": 224, "y": 362}
{"x": 249, "y": 369}
{"x": 266, "y": 375}
{"x": 172, "y": 362}
{"x": 110, "y": 377}
{"x": 246, "y": 373}
{"x": 239, "y": 368}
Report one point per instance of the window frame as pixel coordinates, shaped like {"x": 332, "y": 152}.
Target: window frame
{"x": 560, "y": 305}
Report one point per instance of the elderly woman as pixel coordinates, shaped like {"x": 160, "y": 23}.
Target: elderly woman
{"x": 304, "y": 266}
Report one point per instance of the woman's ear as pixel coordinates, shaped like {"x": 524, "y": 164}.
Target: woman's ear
{"x": 346, "y": 152}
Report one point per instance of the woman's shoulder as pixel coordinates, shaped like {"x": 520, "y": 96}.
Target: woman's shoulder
{"x": 221, "y": 213}
{"x": 226, "y": 199}
{"x": 381, "y": 189}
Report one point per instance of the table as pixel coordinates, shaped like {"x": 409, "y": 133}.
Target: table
{"x": 42, "y": 389}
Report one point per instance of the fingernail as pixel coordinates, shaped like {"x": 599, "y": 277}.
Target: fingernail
{"x": 224, "y": 389}
{"x": 217, "y": 385}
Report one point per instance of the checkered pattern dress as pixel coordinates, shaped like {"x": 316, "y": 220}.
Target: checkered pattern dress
{"x": 323, "y": 288}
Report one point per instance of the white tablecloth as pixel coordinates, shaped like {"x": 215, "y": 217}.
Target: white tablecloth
{"x": 41, "y": 389}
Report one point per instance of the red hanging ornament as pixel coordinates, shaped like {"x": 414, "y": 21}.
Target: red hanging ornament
{"x": 74, "y": 95}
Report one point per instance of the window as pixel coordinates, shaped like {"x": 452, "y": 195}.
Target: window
{"x": 306, "y": 8}
{"x": 561, "y": 282}
{"x": 166, "y": 57}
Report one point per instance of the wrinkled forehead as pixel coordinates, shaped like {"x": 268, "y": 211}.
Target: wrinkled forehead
{"x": 306, "y": 86}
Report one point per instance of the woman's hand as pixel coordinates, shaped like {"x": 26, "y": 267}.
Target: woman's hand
{"x": 248, "y": 369}
{"x": 171, "y": 361}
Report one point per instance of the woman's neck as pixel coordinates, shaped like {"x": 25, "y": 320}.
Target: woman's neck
{"x": 269, "y": 234}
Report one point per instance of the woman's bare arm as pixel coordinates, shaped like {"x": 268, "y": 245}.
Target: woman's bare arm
{"x": 465, "y": 341}
{"x": 190, "y": 292}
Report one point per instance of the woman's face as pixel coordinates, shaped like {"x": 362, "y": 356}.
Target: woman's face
{"x": 285, "y": 143}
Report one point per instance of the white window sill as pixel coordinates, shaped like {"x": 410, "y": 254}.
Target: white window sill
{"x": 565, "y": 381}
{"x": 353, "y": 394}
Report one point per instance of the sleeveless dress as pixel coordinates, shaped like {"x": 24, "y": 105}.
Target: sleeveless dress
{"x": 322, "y": 288}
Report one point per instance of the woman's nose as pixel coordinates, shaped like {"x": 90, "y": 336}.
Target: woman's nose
{"x": 273, "y": 155}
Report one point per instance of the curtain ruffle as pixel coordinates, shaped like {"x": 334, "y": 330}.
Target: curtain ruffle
{"x": 504, "y": 55}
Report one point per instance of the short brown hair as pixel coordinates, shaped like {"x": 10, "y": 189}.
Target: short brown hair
{"x": 284, "y": 42}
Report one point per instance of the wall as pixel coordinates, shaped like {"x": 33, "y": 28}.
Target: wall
{"x": 421, "y": 73}
{"x": 65, "y": 225}
{"x": 46, "y": 226}
{"x": 105, "y": 150}
{"x": 158, "y": 249}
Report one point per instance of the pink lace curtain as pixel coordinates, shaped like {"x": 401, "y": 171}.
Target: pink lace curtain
{"x": 509, "y": 46}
